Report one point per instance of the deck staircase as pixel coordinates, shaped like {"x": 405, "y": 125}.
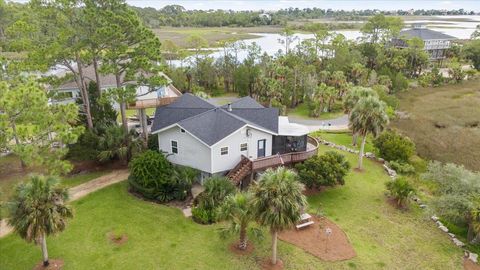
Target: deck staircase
{"x": 243, "y": 168}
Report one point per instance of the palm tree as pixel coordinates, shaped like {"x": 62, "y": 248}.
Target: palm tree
{"x": 116, "y": 143}
{"x": 351, "y": 99}
{"x": 278, "y": 202}
{"x": 237, "y": 208}
{"x": 368, "y": 116}
{"x": 473, "y": 234}
{"x": 38, "y": 209}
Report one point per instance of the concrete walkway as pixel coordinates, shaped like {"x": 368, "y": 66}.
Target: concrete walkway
{"x": 80, "y": 191}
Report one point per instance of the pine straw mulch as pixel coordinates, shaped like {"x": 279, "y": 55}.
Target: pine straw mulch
{"x": 313, "y": 240}
{"x": 469, "y": 265}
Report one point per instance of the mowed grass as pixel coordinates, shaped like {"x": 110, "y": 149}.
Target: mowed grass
{"x": 159, "y": 237}
{"x": 444, "y": 122}
{"x": 11, "y": 174}
{"x": 383, "y": 236}
{"x": 344, "y": 138}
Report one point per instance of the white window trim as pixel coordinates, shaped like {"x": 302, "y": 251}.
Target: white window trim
{"x": 221, "y": 151}
{"x": 246, "y": 147}
{"x": 171, "y": 147}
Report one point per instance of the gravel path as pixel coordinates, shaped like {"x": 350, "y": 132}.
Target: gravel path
{"x": 80, "y": 191}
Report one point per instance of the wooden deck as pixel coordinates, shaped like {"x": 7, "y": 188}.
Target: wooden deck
{"x": 287, "y": 158}
{"x": 248, "y": 166}
{"x": 151, "y": 103}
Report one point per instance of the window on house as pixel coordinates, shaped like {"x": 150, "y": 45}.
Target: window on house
{"x": 224, "y": 151}
{"x": 174, "y": 147}
{"x": 182, "y": 130}
{"x": 243, "y": 147}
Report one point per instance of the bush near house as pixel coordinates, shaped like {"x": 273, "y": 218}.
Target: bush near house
{"x": 155, "y": 178}
{"x": 328, "y": 169}
{"x": 394, "y": 147}
{"x": 402, "y": 168}
{"x": 208, "y": 202}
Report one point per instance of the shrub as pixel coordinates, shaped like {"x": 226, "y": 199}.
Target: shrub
{"x": 207, "y": 203}
{"x": 402, "y": 168}
{"x": 153, "y": 142}
{"x": 394, "y": 147}
{"x": 151, "y": 176}
{"x": 86, "y": 147}
{"x": 202, "y": 215}
{"x": 216, "y": 190}
{"x": 401, "y": 190}
{"x": 326, "y": 170}
{"x": 399, "y": 82}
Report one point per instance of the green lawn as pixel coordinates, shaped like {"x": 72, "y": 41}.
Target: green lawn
{"x": 344, "y": 138}
{"x": 11, "y": 174}
{"x": 383, "y": 236}
{"x": 301, "y": 111}
{"x": 159, "y": 237}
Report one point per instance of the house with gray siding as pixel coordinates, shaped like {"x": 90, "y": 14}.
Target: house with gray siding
{"x": 236, "y": 140}
{"x": 435, "y": 43}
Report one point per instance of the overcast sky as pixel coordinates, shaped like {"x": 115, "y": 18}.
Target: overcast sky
{"x": 324, "y": 4}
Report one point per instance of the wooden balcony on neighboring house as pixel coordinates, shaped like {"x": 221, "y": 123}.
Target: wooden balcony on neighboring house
{"x": 143, "y": 102}
{"x": 248, "y": 166}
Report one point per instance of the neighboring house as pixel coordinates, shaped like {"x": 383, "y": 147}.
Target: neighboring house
{"x": 69, "y": 92}
{"x": 239, "y": 138}
{"x": 435, "y": 43}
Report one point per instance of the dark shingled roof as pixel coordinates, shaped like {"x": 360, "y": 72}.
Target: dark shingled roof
{"x": 211, "y": 124}
{"x": 424, "y": 34}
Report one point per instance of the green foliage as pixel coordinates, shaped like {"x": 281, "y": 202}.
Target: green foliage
{"x": 151, "y": 176}
{"x": 399, "y": 82}
{"x": 456, "y": 72}
{"x": 115, "y": 143}
{"x": 33, "y": 129}
{"x": 153, "y": 142}
{"x": 472, "y": 52}
{"x": 202, "y": 215}
{"x": 392, "y": 146}
{"x": 278, "y": 200}
{"x": 217, "y": 189}
{"x": 328, "y": 169}
{"x": 402, "y": 168}
{"x": 38, "y": 208}
{"x": 401, "y": 189}
{"x": 380, "y": 28}
{"x": 456, "y": 195}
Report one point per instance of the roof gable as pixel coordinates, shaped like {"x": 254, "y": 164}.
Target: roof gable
{"x": 211, "y": 124}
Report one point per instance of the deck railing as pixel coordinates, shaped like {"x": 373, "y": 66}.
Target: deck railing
{"x": 151, "y": 103}
{"x": 287, "y": 158}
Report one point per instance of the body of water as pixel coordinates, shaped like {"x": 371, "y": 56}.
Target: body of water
{"x": 269, "y": 43}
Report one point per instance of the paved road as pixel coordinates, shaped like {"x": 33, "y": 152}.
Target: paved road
{"x": 80, "y": 191}
{"x": 327, "y": 124}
